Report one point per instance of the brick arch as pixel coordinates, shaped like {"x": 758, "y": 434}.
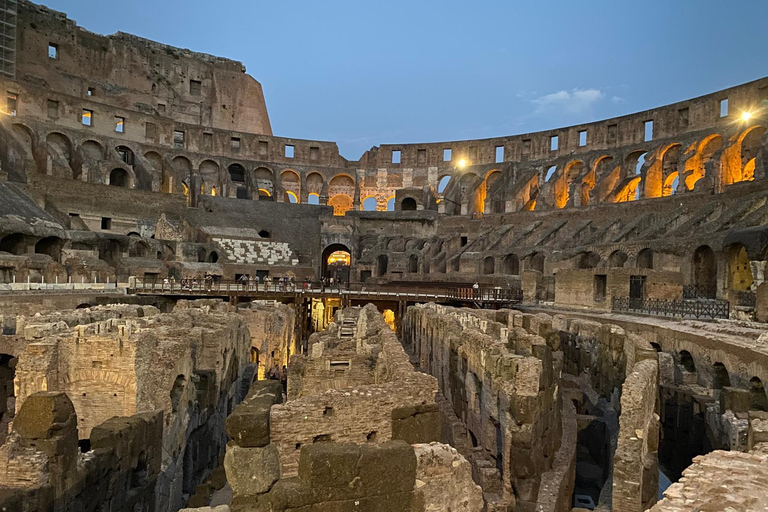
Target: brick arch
{"x": 114, "y": 392}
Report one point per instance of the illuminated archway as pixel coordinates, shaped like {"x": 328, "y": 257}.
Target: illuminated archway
{"x": 739, "y": 268}
{"x": 336, "y": 260}
{"x": 369, "y": 204}
{"x": 341, "y": 203}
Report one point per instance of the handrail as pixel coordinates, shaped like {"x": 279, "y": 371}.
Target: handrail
{"x": 680, "y": 308}
{"x": 243, "y": 287}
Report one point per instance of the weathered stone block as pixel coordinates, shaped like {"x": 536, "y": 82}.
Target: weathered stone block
{"x": 251, "y": 471}
{"x": 417, "y": 424}
{"x": 734, "y": 399}
{"x": 248, "y": 425}
{"x": 758, "y": 428}
{"x": 45, "y": 414}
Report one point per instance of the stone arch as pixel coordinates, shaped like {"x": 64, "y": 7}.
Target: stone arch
{"x": 236, "y": 173}
{"x": 697, "y": 165}
{"x": 686, "y": 361}
{"x": 26, "y": 135}
{"x": 442, "y": 183}
{"x": 645, "y": 258}
{"x": 15, "y": 243}
{"x": 61, "y": 143}
{"x": 739, "y": 275}
{"x": 588, "y": 260}
{"x": 495, "y": 204}
{"x": 339, "y": 267}
{"x": 291, "y": 183}
{"x": 201, "y": 254}
{"x": 551, "y": 171}
{"x": 720, "y": 376}
{"x": 341, "y": 184}
{"x": 138, "y": 249}
{"x": 489, "y": 265}
{"x": 512, "y": 265}
{"x": 183, "y": 164}
{"x": 314, "y": 183}
{"x": 656, "y": 176}
{"x": 125, "y": 154}
{"x": 115, "y": 392}
{"x": 92, "y": 150}
{"x": 408, "y": 204}
{"x": 209, "y": 174}
{"x": 341, "y": 203}
{"x": 264, "y": 181}
{"x": 617, "y": 259}
{"x": 607, "y": 177}
{"x": 119, "y": 177}
{"x": 562, "y": 185}
{"x": 758, "y": 401}
{"x": 705, "y": 267}
{"x": 536, "y": 262}
{"x": 213, "y": 257}
{"x": 370, "y": 204}
{"x": 51, "y": 246}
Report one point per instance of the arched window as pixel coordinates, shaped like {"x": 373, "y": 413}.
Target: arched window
{"x": 119, "y": 178}
{"x": 645, "y": 259}
{"x": 489, "y": 265}
{"x": 369, "y": 204}
{"x": 442, "y": 184}
{"x": 617, "y": 259}
{"x": 512, "y": 265}
{"x": 408, "y": 204}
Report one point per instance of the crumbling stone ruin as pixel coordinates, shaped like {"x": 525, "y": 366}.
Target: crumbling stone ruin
{"x": 165, "y": 342}
{"x": 176, "y": 376}
{"x": 369, "y": 438}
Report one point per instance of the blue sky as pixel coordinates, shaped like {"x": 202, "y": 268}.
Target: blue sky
{"x": 368, "y": 73}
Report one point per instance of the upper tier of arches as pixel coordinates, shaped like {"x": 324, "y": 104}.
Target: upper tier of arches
{"x": 690, "y": 148}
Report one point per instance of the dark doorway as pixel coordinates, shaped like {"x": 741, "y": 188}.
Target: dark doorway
{"x": 705, "y": 271}
{"x": 408, "y": 204}
{"x": 636, "y": 291}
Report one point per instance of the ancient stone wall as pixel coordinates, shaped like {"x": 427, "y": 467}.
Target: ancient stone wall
{"x": 720, "y": 481}
{"x": 356, "y": 410}
{"x": 502, "y": 383}
{"x": 280, "y": 453}
{"x": 273, "y": 335}
{"x": 42, "y": 468}
{"x": 191, "y": 364}
{"x": 635, "y": 463}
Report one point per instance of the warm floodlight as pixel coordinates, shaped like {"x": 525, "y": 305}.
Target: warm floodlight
{"x": 462, "y": 163}
{"x": 746, "y": 116}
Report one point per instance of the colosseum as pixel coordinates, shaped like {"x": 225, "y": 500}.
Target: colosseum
{"x": 198, "y": 315}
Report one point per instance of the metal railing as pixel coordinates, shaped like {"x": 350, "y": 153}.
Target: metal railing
{"x": 678, "y": 308}
{"x": 745, "y": 298}
{"x": 486, "y": 294}
{"x": 695, "y": 291}
{"x": 221, "y": 287}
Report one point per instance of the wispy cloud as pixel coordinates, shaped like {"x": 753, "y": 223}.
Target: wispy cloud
{"x": 577, "y": 101}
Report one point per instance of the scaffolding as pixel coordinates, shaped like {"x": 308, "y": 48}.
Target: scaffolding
{"x": 8, "y": 15}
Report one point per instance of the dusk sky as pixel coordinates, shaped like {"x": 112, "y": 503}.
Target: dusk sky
{"x": 368, "y": 73}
